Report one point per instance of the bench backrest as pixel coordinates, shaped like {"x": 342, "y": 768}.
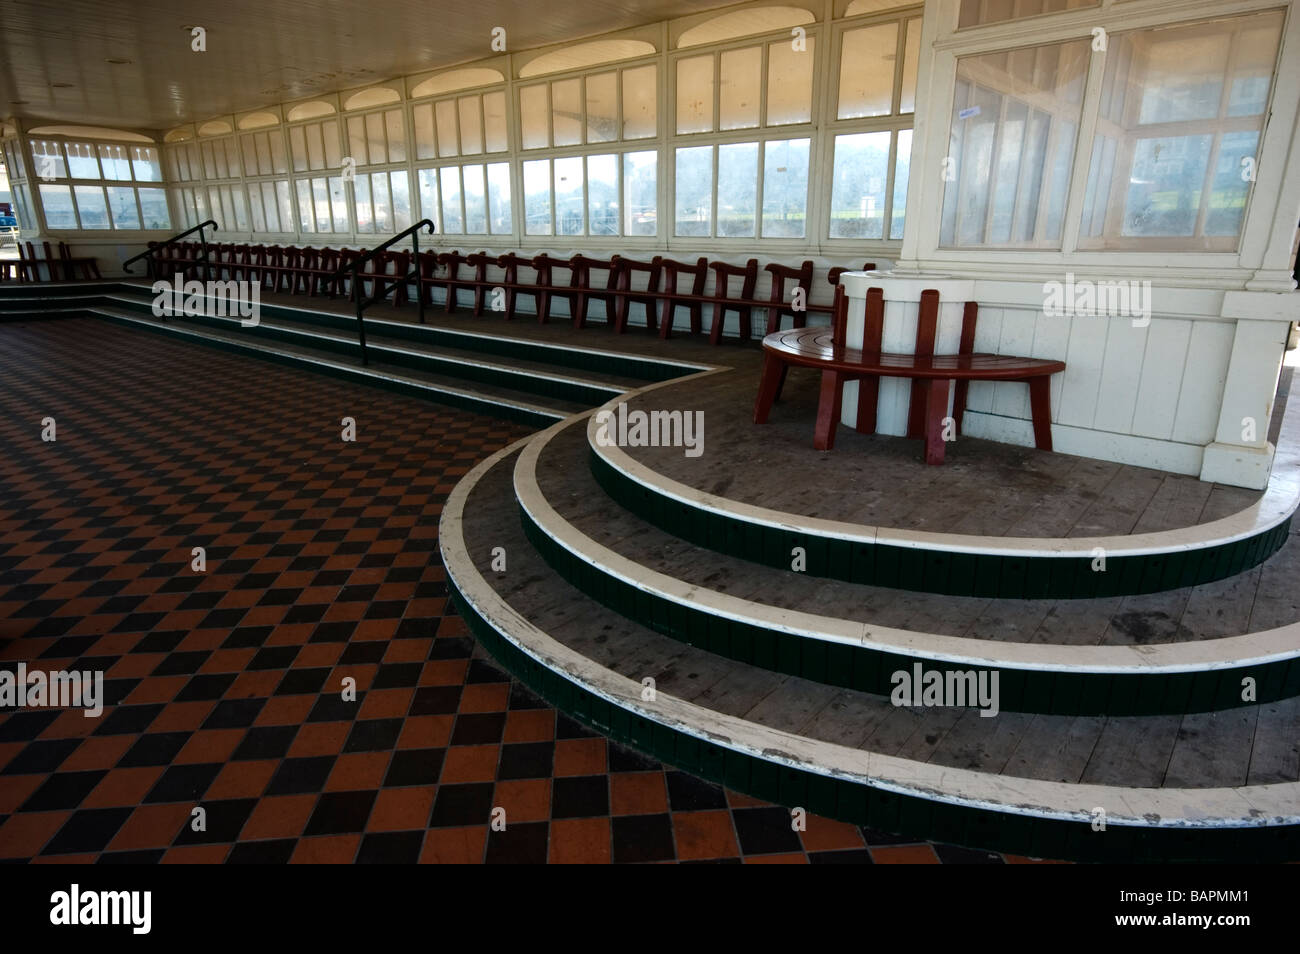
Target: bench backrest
{"x": 927, "y": 322}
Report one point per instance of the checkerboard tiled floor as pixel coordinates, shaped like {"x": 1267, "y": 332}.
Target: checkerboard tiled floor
{"x": 224, "y": 687}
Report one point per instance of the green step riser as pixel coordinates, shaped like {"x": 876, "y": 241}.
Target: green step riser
{"x": 648, "y": 371}
{"x": 870, "y": 670}
{"x": 937, "y": 571}
{"x": 859, "y": 804}
{"x": 450, "y": 400}
{"x": 515, "y": 380}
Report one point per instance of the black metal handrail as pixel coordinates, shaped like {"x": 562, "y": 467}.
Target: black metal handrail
{"x": 381, "y": 292}
{"x": 156, "y": 247}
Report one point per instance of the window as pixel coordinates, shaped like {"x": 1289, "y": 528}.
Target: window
{"x": 764, "y": 85}
{"x": 762, "y": 189}
{"x": 1182, "y": 113}
{"x": 100, "y": 195}
{"x": 315, "y": 146}
{"x": 605, "y": 106}
{"x": 264, "y": 153}
{"x": 382, "y": 201}
{"x": 376, "y": 138}
{"x": 606, "y": 194}
{"x": 1011, "y": 144}
{"x": 462, "y": 125}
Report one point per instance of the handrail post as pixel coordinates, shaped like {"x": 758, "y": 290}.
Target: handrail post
{"x": 419, "y": 285}
{"x": 361, "y": 325}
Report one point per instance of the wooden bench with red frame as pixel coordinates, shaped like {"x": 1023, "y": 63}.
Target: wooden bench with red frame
{"x": 587, "y": 292}
{"x": 453, "y": 283}
{"x": 824, "y": 349}
{"x": 779, "y": 308}
{"x": 545, "y": 266}
{"x": 627, "y": 295}
{"x": 723, "y": 273}
{"x": 699, "y": 274}
{"x": 479, "y": 261}
{"x": 510, "y": 263}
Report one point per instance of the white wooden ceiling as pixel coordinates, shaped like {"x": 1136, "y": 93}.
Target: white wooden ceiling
{"x": 55, "y": 54}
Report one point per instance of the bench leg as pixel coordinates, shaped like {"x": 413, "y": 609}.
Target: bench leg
{"x": 768, "y": 387}
{"x": 1040, "y": 405}
{"x": 828, "y": 410}
{"x": 868, "y": 398}
{"x": 959, "y": 404}
{"x": 936, "y": 409}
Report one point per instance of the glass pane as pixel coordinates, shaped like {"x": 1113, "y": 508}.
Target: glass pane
{"x": 566, "y": 112}
{"x": 255, "y": 208}
{"x": 81, "y": 161}
{"x": 270, "y": 207}
{"x": 789, "y": 83}
{"x": 537, "y": 197}
{"x": 47, "y": 157}
{"x": 298, "y": 145}
{"x": 375, "y": 141}
{"x": 401, "y": 194}
{"x": 533, "y": 118}
{"x": 262, "y": 148}
{"x": 396, "y": 130}
{"x": 1229, "y": 187}
{"x": 125, "y": 214}
{"x": 232, "y": 156}
{"x": 315, "y": 146}
{"x": 694, "y": 188}
{"x": 306, "y": 214}
{"x": 286, "y": 206}
{"x": 113, "y": 160}
{"x": 785, "y": 188}
{"x": 279, "y": 165}
{"x": 739, "y": 100}
{"x": 57, "y": 200}
{"x": 357, "y": 140}
{"x": 250, "y": 152}
{"x": 570, "y": 215}
{"x": 452, "y": 220}
{"x": 424, "y": 142}
{"x": 321, "y": 207}
{"x": 471, "y": 131}
{"x": 91, "y": 207}
{"x": 737, "y": 189}
{"x": 602, "y": 107}
{"x": 499, "y": 207}
{"x": 339, "y": 204}
{"x": 219, "y": 158}
{"x": 361, "y": 203}
{"x": 997, "y": 167}
{"x": 241, "y": 207}
{"x": 427, "y": 181}
{"x": 448, "y": 139}
{"x": 902, "y": 163}
{"x": 911, "y": 54}
{"x": 867, "y": 71}
{"x": 146, "y": 163}
{"x": 695, "y": 95}
{"x": 640, "y": 102}
{"x": 475, "y": 200}
{"x": 858, "y": 185}
{"x": 494, "y": 118}
{"x": 640, "y": 192}
{"x": 383, "y": 204}
{"x": 602, "y": 194}
{"x": 330, "y": 133}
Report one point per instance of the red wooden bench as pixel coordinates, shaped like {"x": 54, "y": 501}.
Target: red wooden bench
{"x": 779, "y": 309}
{"x": 824, "y": 349}
{"x": 510, "y": 263}
{"x": 723, "y": 273}
{"x": 627, "y": 295}
{"x": 546, "y": 266}
{"x": 699, "y": 274}
{"x": 588, "y": 291}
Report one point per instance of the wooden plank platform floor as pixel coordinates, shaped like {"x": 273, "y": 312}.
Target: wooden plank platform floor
{"x": 1261, "y": 598}
{"x": 983, "y": 487}
{"x": 1248, "y": 746}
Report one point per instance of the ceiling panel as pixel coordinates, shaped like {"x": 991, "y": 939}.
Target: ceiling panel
{"x": 55, "y": 58}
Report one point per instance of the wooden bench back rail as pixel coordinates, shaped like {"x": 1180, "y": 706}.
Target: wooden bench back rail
{"x": 723, "y": 273}
{"x": 780, "y": 307}
{"x": 60, "y": 264}
{"x": 588, "y": 291}
{"x": 545, "y": 266}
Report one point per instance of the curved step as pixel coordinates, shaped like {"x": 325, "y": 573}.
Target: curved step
{"x": 782, "y": 629}
{"x": 946, "y": 563}
{"x": 1035, "y": 785}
